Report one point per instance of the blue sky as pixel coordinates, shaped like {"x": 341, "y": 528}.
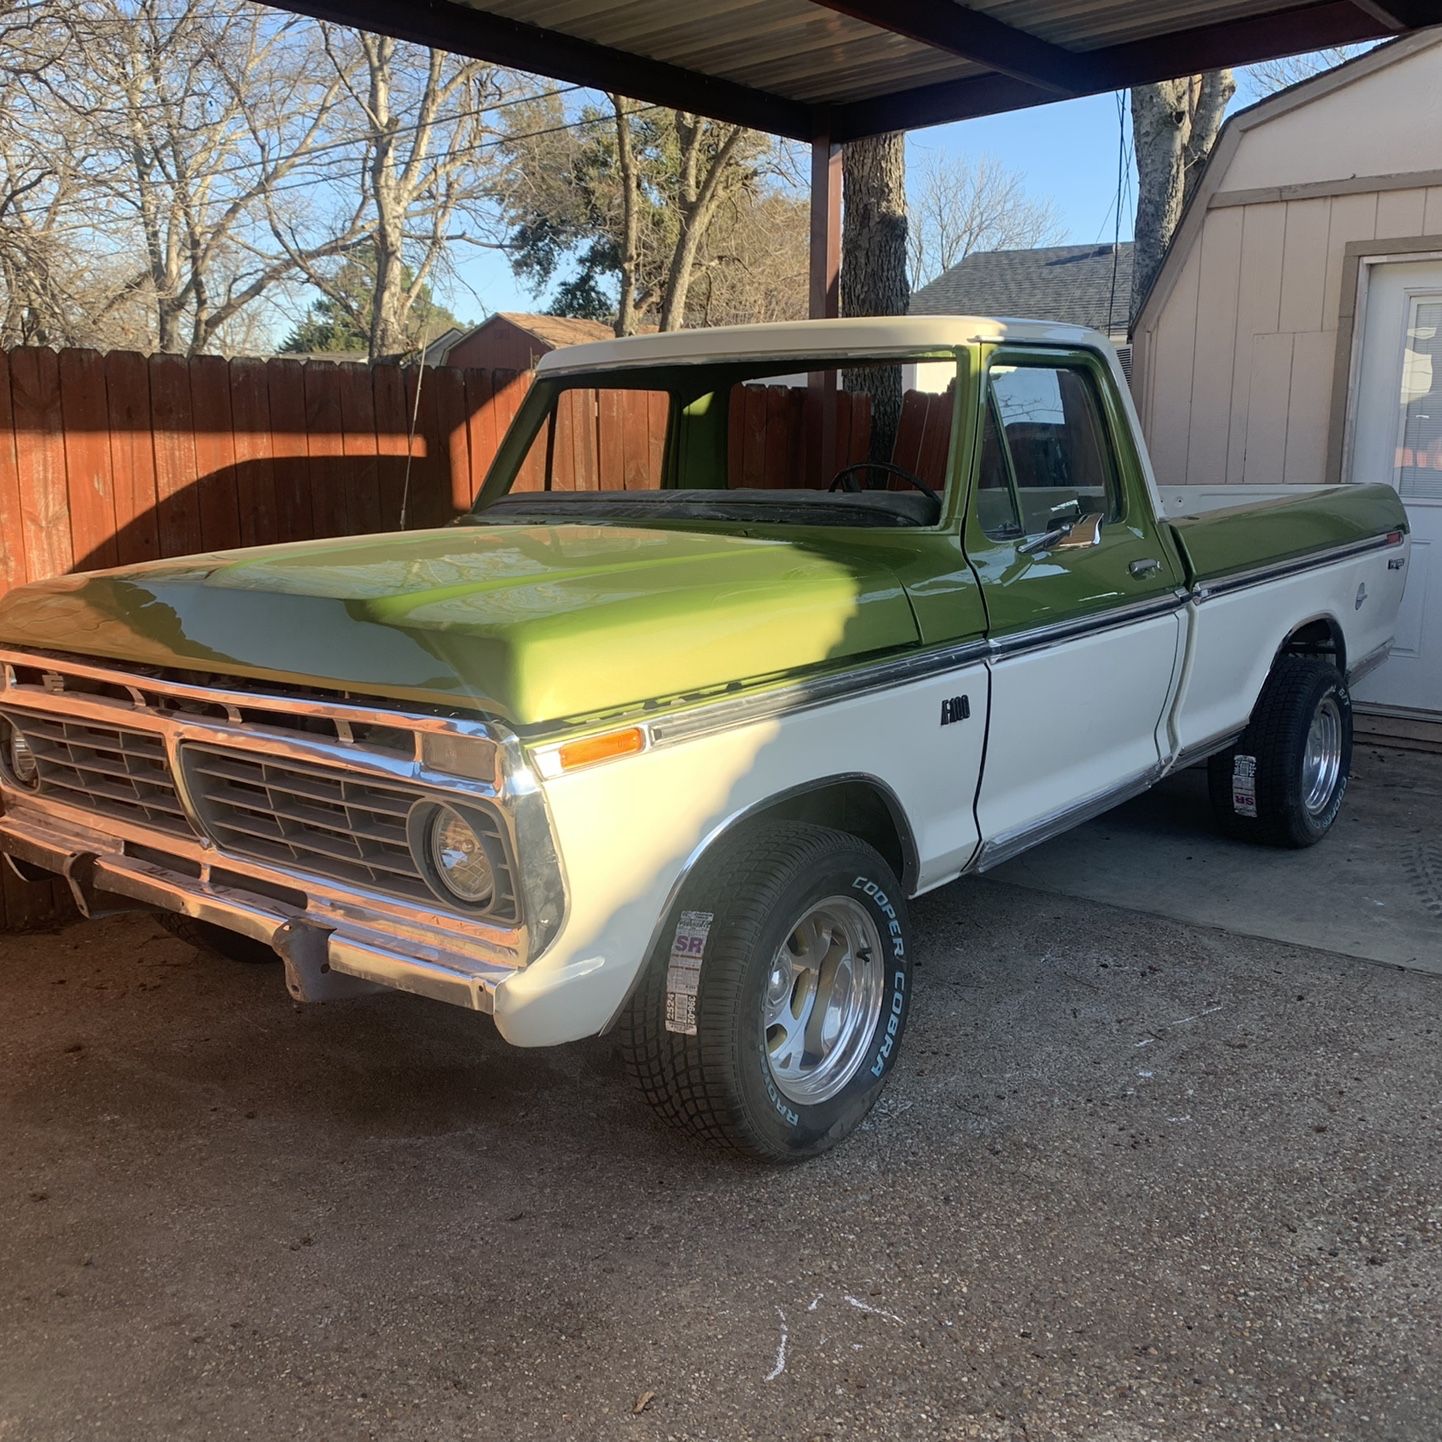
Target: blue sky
{"x": 1066, "y": 151}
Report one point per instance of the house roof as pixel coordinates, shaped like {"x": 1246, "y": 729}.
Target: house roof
{"x": 1088, "y": 285}
{"x": 862, "y": 67}
{"x": 554, "y": 330}
{"x": 1304, "y": 92}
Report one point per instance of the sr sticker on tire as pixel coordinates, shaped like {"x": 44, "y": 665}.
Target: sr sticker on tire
{"x": 683, "y": 970}
{"x": 1244, "y": 785}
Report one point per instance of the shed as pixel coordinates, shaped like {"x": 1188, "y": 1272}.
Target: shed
{"x": 516, "y": 340}
{"x": 1293, "y": 335}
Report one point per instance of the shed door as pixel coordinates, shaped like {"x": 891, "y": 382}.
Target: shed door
{"x": 1397, "y": 438}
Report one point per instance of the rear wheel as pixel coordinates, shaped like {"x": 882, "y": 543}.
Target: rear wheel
{"x": 773, "y": 1012}
{"x": 206, "y": 936}
{"x": 1284, "y": 781}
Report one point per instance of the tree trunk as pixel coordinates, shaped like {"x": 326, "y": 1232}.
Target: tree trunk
{"x": 630, "y": 220}
{"x": 1174, "y": 125}
{"x": 873, "y": 265}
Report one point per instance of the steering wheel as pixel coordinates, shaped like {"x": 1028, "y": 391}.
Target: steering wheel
{"x": 846, "y": 478}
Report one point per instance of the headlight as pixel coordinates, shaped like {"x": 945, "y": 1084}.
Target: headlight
{"x": 19, "y": 758}
{"x": 456, "y": 856}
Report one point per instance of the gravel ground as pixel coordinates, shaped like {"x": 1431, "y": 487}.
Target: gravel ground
{"x": 1133, "y": 1181}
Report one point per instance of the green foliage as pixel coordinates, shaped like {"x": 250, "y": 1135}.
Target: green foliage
{"x": 338, "y": 322}
{"x": 564, "y": 199}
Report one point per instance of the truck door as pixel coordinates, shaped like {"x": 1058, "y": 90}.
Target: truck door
{"x": 1081, "y": 594}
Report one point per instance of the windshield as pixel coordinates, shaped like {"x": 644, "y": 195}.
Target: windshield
{"x": 794, "y": 442}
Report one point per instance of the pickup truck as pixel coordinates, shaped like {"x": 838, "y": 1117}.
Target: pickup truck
{"x": 751, "y": 636}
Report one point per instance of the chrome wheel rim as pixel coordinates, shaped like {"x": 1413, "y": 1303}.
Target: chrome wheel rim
{"x": 823, "y": 1000}
{"x": 1322, "y": 760}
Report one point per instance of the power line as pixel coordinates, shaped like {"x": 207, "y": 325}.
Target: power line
{"x": 311, "y": 183}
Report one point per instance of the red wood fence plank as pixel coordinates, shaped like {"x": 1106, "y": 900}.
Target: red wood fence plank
{"x": 323, "y": 446}
{"x": 781, "y": 426}
{"x": 177, "y": 504}
{"x": 612, "y": 414}
{"x": 290, "y": 465}
{"x": 362, "y": 468}
{"x": 132, "y": 454}
{"x": 254, "y": 450}
{"x": 40, "y": 451}
{"x": 216, "y": 483}
{"x": 753, "y": 436}
{"x": 453, "y": 445}
{"x": 88, "y": 468}
{"x": 392, "y": 419}
{"x": 482, "y": 436}
{"x": 13, "y": 569}
{"x": 430, "y": 476}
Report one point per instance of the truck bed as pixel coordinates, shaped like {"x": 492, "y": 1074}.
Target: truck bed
{"x": 1245, "y": 538}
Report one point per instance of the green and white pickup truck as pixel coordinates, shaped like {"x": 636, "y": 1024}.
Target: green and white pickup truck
{"x": 752, "y": 635}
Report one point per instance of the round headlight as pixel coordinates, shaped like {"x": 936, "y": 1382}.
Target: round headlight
{"x": 19, "y": 758}
{"x": 458, "y": 857}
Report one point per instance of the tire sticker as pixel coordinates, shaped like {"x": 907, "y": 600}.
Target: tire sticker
{"x": 683, "y": 970}
{"x": 1244, "y": 785}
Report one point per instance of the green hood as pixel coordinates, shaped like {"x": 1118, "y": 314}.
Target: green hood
{"x": 530, "y": 623}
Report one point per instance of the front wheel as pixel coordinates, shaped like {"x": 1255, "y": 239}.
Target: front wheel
{"x": 1284, "y": 781}
{"x": 773, "y": 1012}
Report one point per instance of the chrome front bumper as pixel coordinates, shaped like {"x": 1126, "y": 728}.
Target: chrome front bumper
{"x": 326, "y": 955}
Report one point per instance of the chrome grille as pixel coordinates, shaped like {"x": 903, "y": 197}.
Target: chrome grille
{"x": 110, "y": 770}
{"x": 312, "y": 819}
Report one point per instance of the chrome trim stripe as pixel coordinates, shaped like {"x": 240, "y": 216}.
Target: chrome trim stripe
{"x": 895, "y": 671}
{"x": 1276, "y": 571}
{"x": 1038, "y": 638}
{"x": 1012, "y": 843}
{"x": 819, "y": 691}
{"x": 1201, "y": 750}
{"x": 1369, "y": 663}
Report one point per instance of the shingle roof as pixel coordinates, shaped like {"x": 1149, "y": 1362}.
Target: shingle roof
{"x": 558, "y": 330}
{"x": 1074, "y": 284}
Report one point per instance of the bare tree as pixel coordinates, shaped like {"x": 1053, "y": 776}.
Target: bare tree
{"x": 421, "y": 122}
{"x": 957, "y": 205}
{"x": 754, "y": 265}
{"x": 1270, "y": 76}
{"x": 200, "y": 115}
{"x": 1174, "y": 125}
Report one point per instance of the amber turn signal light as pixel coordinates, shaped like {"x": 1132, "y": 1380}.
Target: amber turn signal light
{"x": 575, "y": 754}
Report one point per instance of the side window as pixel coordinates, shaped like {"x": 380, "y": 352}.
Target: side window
{"x": 1055, "y": 437}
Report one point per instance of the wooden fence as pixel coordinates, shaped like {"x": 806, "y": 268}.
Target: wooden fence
{"x": 114, "y": 459}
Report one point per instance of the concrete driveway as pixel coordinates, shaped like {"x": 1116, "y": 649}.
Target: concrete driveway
{"x": 1135, "y": 1180}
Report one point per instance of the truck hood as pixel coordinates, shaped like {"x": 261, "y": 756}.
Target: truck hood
{"x": 532, "y": 624}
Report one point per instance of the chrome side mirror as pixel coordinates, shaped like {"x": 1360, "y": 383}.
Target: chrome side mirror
{"x": 1066, "y": 536}
{"x": 1086, "y": 532}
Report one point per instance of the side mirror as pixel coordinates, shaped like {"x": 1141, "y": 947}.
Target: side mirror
{"x": 1086, "y": 532}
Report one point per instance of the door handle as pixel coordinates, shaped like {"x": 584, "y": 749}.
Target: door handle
{"x": 1147, "y": 567}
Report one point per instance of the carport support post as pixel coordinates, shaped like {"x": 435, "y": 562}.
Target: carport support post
{"x": 825, "y": 295}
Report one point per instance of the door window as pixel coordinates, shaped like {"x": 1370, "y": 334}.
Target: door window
{"x": 1044, "y": 451}
{"x": 1419, "y": 439}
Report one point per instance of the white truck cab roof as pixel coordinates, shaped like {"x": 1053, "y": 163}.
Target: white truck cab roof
{"x": 813, "y": 339}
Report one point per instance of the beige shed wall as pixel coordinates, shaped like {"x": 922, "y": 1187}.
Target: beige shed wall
{"x": 1235, "y": 355}
{"x": 1380, "y": 124}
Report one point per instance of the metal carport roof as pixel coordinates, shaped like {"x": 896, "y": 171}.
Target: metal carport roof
{"x": 848, "y": 68}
